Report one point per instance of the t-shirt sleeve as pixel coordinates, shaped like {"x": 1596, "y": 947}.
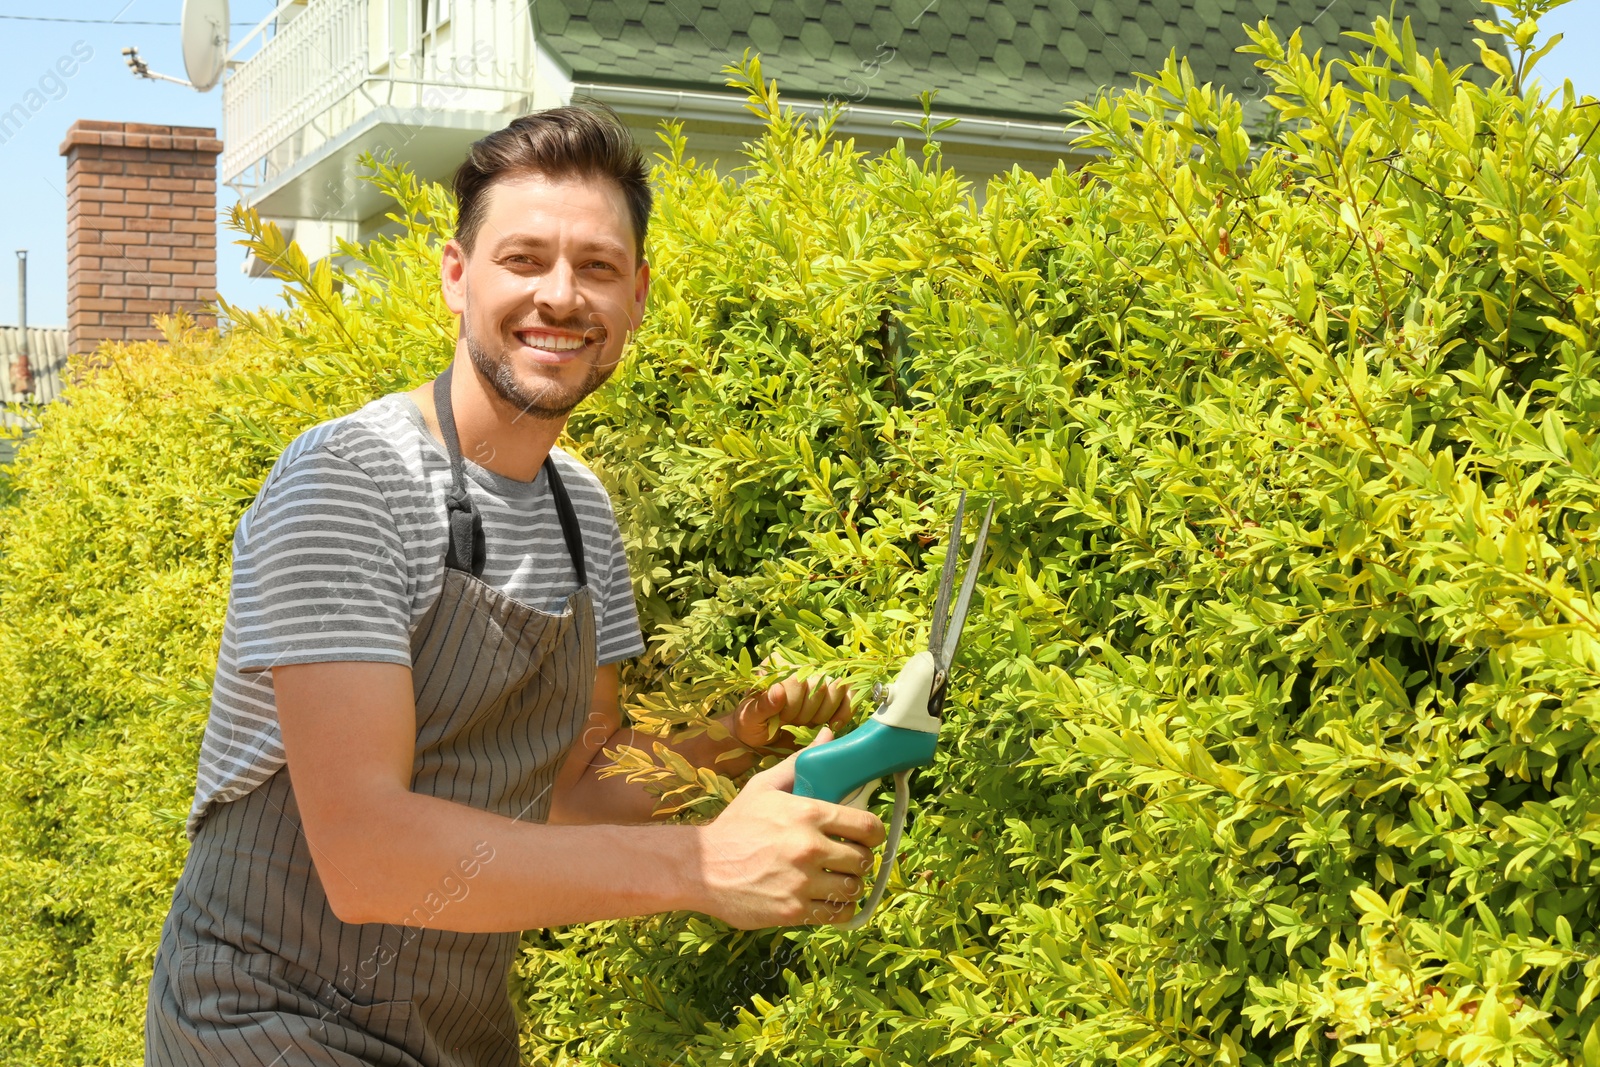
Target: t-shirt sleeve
{"x": 619, "y": 637}
{"x": 319, "y": 569}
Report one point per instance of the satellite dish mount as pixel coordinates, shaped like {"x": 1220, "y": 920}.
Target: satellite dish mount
{"x": 205, "y": 46}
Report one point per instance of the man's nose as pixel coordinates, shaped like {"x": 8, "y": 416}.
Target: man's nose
{"x": 557, "y": 292}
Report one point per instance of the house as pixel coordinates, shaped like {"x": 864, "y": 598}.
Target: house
{"x": 331, "y": 79}
{"x": 40, "y": 382}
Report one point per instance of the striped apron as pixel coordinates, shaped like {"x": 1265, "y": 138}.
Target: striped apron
{"x": 253, "y": 967}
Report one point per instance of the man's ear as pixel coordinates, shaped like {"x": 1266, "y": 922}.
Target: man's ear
{"x": 453, "y": 276}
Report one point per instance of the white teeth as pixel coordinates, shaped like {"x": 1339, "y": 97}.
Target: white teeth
{"x": 552, "y": 344}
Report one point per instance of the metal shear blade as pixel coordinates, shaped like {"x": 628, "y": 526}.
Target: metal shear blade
{"x": 945, "y": 637}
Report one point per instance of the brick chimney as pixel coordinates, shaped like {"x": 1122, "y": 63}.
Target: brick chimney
{"x": 141, "y": 227}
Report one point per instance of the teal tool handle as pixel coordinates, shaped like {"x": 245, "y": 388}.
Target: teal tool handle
{"x": 872, "y": 750}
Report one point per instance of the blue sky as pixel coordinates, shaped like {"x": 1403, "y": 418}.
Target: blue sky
{"x": 1574, "y": 58}
{"x": 33, "y": 207}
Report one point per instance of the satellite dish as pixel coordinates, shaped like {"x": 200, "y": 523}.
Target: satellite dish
{"x": 205, "y": 41}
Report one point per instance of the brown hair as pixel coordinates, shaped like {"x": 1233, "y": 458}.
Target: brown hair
{"x": 579, "y": 140}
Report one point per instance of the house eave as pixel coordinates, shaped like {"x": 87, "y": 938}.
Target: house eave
{"x": 971, "y": 131}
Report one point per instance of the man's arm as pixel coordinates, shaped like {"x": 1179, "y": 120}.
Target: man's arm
{"x": 583, "y": 794}
{"x": 382, "y": 851}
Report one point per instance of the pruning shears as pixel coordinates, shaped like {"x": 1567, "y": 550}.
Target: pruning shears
{"x": 903, "y": 733}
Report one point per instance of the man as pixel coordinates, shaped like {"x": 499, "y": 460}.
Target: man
{"x": 418, "y": 678}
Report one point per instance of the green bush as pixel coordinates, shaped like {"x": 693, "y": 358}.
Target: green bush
{"x": 1275, "y": 733}
{"x": 113, "y": 582}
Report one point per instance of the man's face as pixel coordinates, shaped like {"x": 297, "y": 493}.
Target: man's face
{"x": 550, "y": 291}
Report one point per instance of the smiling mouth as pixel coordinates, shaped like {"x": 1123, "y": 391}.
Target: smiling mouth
{"x": 548, "y": 342}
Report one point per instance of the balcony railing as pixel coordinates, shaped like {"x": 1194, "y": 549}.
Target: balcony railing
{"x": 324, "y": 65}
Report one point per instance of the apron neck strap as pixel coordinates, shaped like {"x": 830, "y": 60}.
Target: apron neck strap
{"x": 570, "y": 530}
{"x": 467, "y": 550}
{"x": 466, "y": 524}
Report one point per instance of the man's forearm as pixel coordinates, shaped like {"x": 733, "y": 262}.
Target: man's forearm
{"x": 423, "y": 861}
{"x": 771, "y": 858}
{"x": 386, "y": 854}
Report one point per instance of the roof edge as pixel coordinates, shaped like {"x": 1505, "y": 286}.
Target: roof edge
{"x": 981, "y": 130}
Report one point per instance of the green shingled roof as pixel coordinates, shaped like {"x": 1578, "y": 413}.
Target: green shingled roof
{"x": 1016, "y": 58}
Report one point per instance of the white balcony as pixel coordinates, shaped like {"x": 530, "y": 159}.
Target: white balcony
{"x": 332, "y": 79}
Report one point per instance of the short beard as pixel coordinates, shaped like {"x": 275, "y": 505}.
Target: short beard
{"x": 503, "y": 381}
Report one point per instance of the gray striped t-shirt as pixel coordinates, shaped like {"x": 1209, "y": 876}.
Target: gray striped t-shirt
{"x": 342, "y": 554}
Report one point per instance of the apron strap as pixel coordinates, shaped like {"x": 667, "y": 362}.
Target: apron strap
{"x": 466, "y": 524}
{"x": 569, "y": 521}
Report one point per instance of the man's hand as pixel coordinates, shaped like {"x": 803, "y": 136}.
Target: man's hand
{"x": 774, "y": 859}
{"x": 758, "y": 723}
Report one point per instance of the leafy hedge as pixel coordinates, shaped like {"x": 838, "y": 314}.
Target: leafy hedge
{"x": 112, "y": 587}
{"x": 1278, "y": 722}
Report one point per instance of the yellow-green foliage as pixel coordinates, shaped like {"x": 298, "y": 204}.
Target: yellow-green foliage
{"x": 1275, "y": 734}
{"x": 112, "y": 585}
